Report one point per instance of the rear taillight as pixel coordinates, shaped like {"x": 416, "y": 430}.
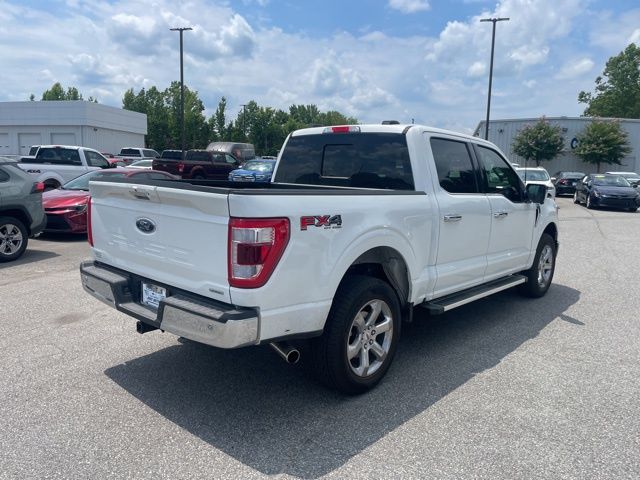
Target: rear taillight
{"x": 563, "y": 181}
{"x": 255, "y": 248}
{"x": 38, "y": 187}
{"x": 180, "y": 167}
{"x": 89, "y": 231}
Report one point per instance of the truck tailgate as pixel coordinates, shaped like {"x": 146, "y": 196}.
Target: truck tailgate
{"x": 171, "y": 236}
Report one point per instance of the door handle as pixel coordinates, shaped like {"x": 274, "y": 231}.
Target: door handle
{"x": 452, "y": 218}
{"x": 501, "y": 214}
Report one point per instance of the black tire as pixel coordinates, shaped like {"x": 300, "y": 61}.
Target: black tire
{"x": 633, "y": 209}
{"x": 588, "y": 203}
{"x": 327, "y": 358}
{"x": 51, "y": 185}
{"x": 13, "y": 239}
{"x": 540, "y": 275}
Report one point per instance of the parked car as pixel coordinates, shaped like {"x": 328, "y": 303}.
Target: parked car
{"x": 55, "y": 165}
{"x": 146, "y": 163}
{"x": 537, "y": 175}
{"x": 360, "y": 224}
{"x": 66, "y": 207}
{"x": 131, "y": 154}
{"x": 258, "y": 170}
{"x": 242, "y": 151}
{"x": 565, "y": 182}
{"x": 604, "y": 190}
{"x": 632, "y": 177}
{"x": 21, "y": 212}
{"x": 113, "y": 160}
{"x": 200, "y": 165}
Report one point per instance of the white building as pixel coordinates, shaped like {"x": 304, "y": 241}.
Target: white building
{"x": 82, "y": 123}
{"x": 503, "y": 133}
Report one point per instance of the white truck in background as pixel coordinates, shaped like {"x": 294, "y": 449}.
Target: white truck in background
{"x": 361, "y": 224}
{"x": 55, "y": 165}
{"x": 132, "y": 154}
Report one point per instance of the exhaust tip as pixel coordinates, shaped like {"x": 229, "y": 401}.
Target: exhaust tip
{"x": 289, "y": 354}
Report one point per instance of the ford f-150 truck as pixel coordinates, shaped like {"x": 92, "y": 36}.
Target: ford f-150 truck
{"x": 55, "y": 165}
{"x": 360, "y": 225}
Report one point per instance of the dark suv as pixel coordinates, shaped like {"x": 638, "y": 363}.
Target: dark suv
{"x": 565, "y": 182}
{"x": 200, "y": 164}
{"x": 21, "y": 212}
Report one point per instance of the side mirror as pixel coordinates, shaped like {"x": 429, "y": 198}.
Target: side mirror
{"x": 536, "y": 193}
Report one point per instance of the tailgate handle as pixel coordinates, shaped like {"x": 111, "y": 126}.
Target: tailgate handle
{"x": 142, "y": 193}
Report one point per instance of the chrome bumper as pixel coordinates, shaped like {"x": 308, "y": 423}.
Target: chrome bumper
{"x": 199, "y": 319}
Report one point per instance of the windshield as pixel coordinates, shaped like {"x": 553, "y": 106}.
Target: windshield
{"x": 255, "y": 166}
{"x": 611, "y": 181}
{"x": 533, "y": 175}
{"x": 82, "y": 182}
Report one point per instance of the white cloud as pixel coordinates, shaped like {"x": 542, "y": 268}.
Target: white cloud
{"x": 409, "y": 6}
{"x": 476, "y": 69}
{"x": 575, "y": 68}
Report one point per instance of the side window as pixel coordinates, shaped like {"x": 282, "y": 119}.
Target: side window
{"x": 94, "y": 159}
{"x": 499, "y": 176}
{"x": 230, "y": 159}
{"x": 453, "y": 163}
{"x": 4, "y": 176}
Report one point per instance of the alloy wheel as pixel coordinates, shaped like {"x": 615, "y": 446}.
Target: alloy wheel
{"x": 10, "y": 239}
{"x": 545, "y": 266}
{"x": 370, "y": 338}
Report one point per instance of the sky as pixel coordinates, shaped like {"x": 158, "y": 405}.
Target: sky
{"x": 425, "y": 61}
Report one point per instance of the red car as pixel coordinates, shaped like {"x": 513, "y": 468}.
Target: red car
{"x": 66, "y": 207}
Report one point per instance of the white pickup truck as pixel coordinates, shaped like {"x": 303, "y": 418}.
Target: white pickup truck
{"x": 55, "y": 165}
{"x": 132, "y": 154}
{"x": 360, "y": 225}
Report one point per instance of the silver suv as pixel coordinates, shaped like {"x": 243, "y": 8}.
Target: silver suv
{"x": 21, "y": 212}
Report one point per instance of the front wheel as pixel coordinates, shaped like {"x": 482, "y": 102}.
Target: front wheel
{"x": 360, "y": 337}
{"x": 540, "y": 274}
{"x": 13, "y": 239}
{"x": 589, "y": 204}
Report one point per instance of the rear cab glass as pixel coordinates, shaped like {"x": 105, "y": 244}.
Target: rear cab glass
{"x": 58, "y": 156}
{"x": 361, "y": 160}
{"x": 130, "y": 152}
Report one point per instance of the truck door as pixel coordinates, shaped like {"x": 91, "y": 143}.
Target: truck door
{"x": 512, "y": 218}
{"x": 464, "y": 217}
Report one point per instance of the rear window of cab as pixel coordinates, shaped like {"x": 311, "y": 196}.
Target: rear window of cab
{"x": 362, "y": 160}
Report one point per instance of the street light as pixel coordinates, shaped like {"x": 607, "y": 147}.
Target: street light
{"x": 493, "y": 42}
{"x": 181, "y": 29}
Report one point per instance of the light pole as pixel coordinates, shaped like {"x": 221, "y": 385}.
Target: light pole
{"x": 493, "y": 43}
{"x": 244, "y": 119}
{"x": 181, "y": 29}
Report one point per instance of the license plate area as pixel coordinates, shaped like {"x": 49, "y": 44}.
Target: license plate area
{"x": 152, "y": 295}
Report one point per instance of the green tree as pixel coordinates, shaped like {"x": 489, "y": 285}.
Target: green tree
{"x": 618, "y": 93}
{"x": 57, "y": 92}
{"x": 602, "y": 142}
{"x": 538, "y": 142}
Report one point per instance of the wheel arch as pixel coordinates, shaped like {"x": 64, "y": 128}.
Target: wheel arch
{"x": 387, "y": 264}
{"x": 20, "y": 214}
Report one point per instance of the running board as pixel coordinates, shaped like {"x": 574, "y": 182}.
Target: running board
{"x": 444, "y": 304}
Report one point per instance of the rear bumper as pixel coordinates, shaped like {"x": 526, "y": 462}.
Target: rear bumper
{"x": 194, "y": 317}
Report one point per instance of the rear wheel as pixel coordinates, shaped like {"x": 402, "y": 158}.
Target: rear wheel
{"x": 360, "y": 337}
{"x": 575, "y": 198}
{"x": 13, "y": 239}
{"x": 51, "y": 185}
{"x": 540, "y": 275}
{"x": 633, "y": 209}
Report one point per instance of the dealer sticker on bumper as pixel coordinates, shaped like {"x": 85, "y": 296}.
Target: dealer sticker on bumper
{"x": 152, "y": 294}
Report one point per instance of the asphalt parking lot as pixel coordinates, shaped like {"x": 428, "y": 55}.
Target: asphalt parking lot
{"x": 506, "y": 387}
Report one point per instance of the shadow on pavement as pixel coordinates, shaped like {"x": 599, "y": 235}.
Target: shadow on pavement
{"x": 30, "y": 256}
{"x": 269, "y": 416}
{"x": 62, "y": 237}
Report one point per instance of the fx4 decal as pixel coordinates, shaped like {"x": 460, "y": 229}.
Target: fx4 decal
{"x": 324, "y": 221}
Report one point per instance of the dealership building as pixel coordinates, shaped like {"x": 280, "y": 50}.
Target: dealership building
{"x": 82, "y": 123}
{"x": 503, "y": 133}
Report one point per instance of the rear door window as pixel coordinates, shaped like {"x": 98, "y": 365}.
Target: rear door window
{"x": 455, "y": 168}
{"x": 364, "y": 160}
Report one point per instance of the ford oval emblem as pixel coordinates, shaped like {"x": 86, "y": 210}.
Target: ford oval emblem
{"x": 145, "y": 225}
